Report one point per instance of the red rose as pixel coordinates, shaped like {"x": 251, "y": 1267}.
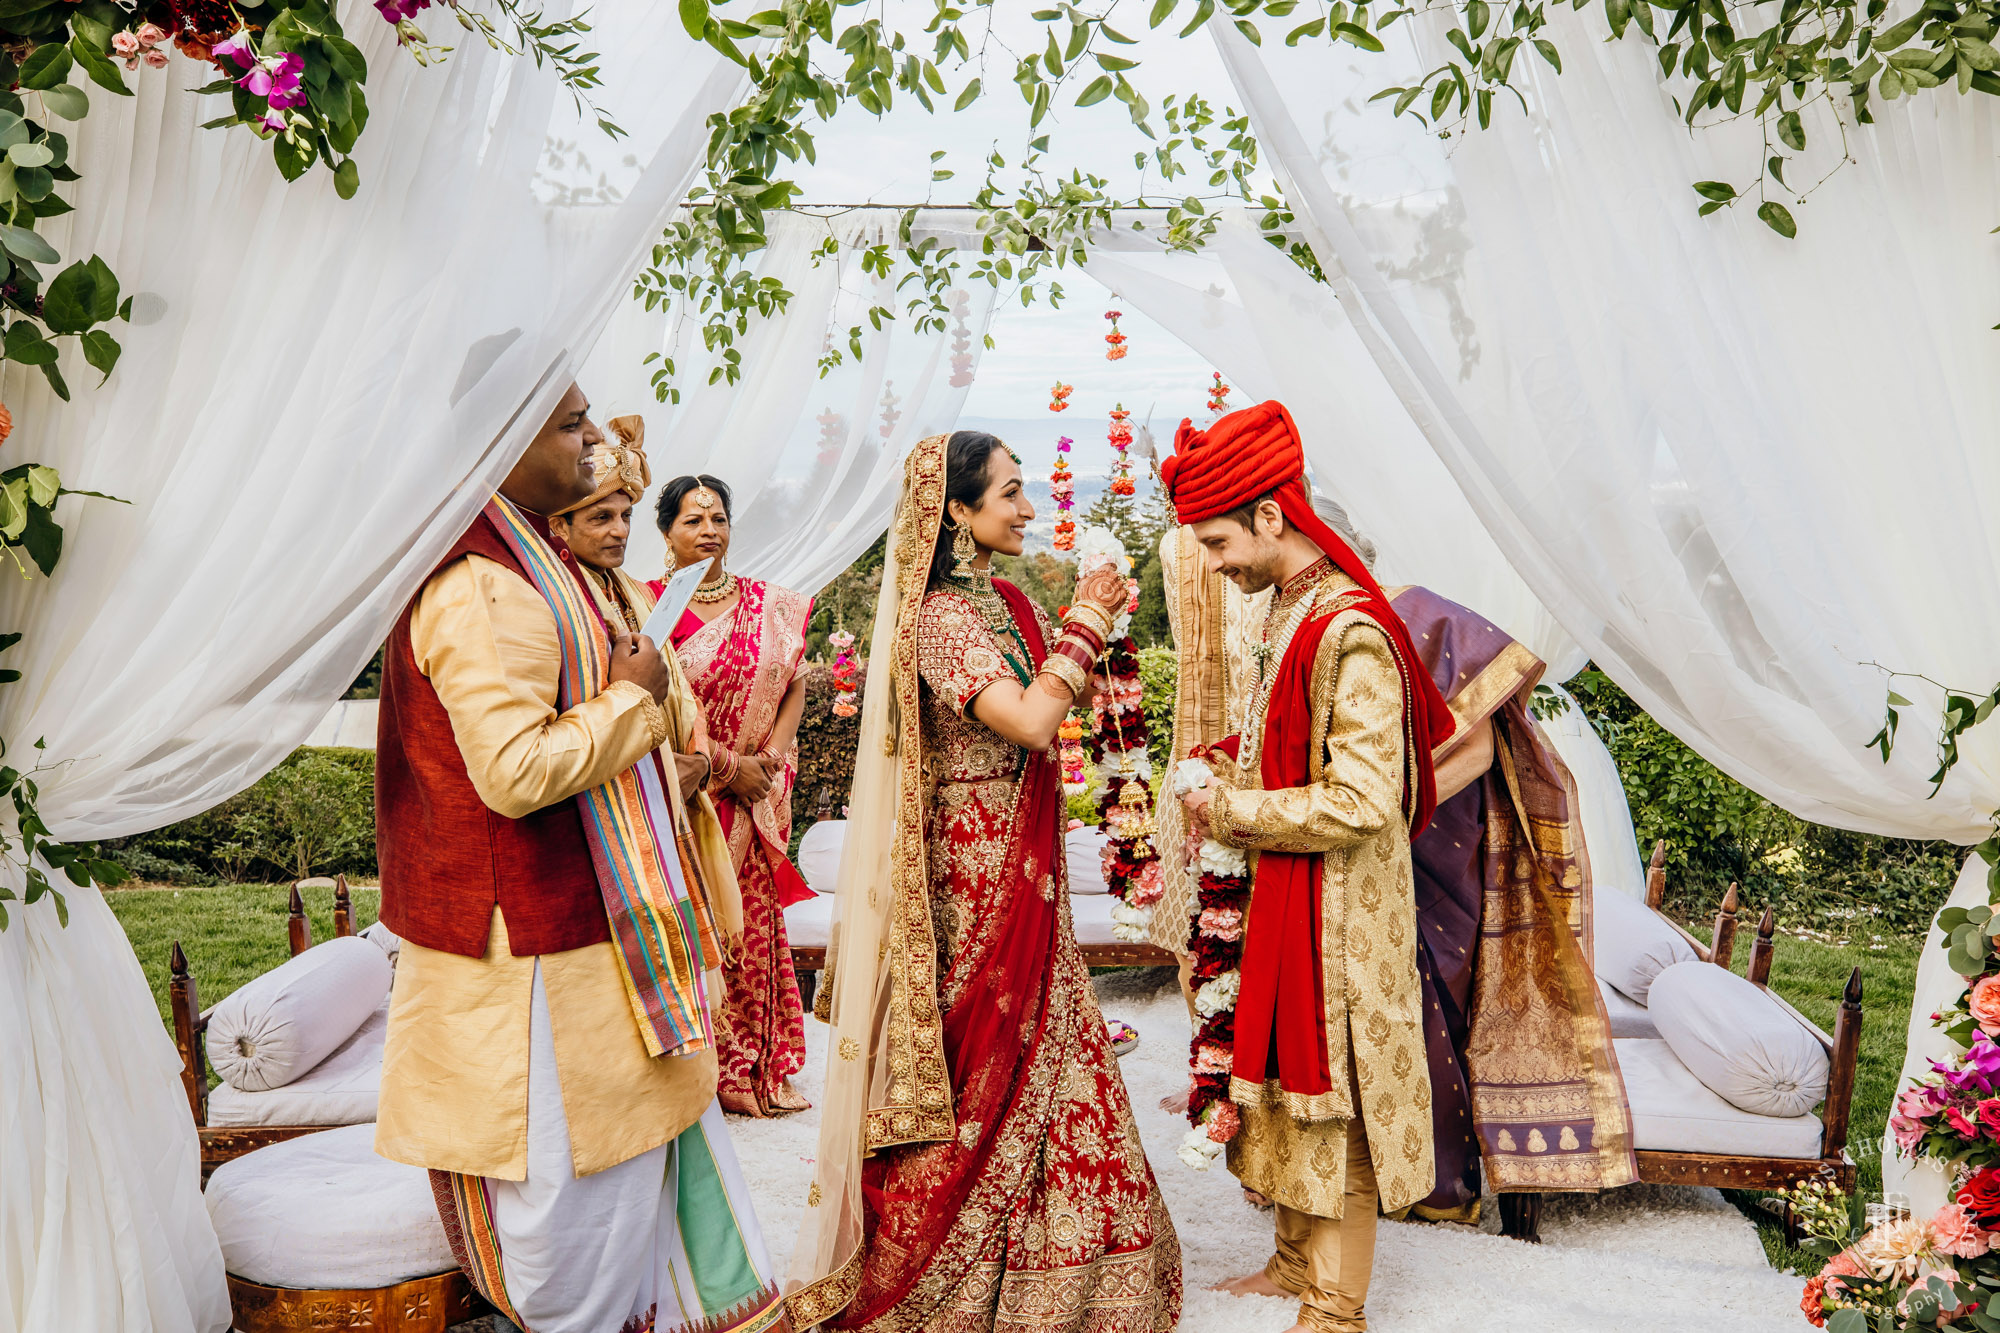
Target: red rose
{"x": 1958, "y": 1122}
{"x": 1989, "y": 1117}
{"x": 1980, "y": 1194}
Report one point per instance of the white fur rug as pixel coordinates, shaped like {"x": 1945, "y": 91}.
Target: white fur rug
{"x": 1666, "y": 1258}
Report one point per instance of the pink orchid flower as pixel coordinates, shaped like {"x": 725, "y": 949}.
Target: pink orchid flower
{"x": 238, "y": 49}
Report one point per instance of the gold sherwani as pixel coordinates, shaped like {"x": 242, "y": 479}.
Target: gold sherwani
{"x": 455, "y": 1065}
{"x": 1352, "y": 816}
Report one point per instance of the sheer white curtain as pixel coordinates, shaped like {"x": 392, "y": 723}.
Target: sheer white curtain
{"x": 1738, "y": 470}
{"x": 812, "y": 464}
{"x": 1274, "y": 333}
{"x": 315, "y": 398}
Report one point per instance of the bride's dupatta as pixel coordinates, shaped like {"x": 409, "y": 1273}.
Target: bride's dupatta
{"x": 895, "y": 1057}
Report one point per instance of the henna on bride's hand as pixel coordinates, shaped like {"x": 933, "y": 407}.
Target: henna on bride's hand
{"x": 1051, "y": 684}
{"x": 1103, "y": 587}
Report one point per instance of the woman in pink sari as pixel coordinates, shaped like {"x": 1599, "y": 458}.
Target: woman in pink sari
{"x": 740, "y": 644}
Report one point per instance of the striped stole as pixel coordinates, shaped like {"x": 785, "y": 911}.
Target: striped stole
{"x": 627, "y": 823}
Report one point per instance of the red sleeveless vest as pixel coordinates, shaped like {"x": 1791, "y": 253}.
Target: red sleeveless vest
{"x": 446, "y": 858}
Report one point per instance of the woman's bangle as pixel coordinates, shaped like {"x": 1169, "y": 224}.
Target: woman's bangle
{"x": 722, "y": 767}
{"x": 1076, "y": 645}
{"x": 1064, "y": 669}
{"x": 1095, "y": 617}
{"x": 1083, "y": 636}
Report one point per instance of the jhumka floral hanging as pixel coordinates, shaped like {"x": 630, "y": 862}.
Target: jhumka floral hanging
{"x": 1059, "y": 397}
{"x": 1132, "y": 870}
{"x": 1117, "y": 340}
{"x": 1120, "y": 436}
{"x": 844, "y": 687}
{"x": 1215, "y": 954}
{"x": 1062, "y": 486}
{"x": 961, "y": 338}
{"x": 1218, "y": 395}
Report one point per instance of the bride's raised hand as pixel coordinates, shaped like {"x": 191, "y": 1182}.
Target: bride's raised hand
{"x": 1104, "y": 588}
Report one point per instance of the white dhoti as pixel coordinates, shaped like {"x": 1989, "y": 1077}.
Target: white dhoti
{"x": 664, "y": 1241}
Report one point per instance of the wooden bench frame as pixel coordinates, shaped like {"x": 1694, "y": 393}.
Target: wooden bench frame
{"x": 1521, "y": 1213}
{"x": 420, "y": 1305}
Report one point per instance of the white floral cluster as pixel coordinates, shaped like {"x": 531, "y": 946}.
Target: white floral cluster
{"x": 1217, "y": 859}
{"x": 1130, "y": 924}
{"x": 1096, "y": 546}
{"x": 1198, "y": 1148}
{"x": 1191, "y": 775}
{"x": 1218, "y": 995}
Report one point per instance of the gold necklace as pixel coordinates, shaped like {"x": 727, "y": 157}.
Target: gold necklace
{"x": 719, "y": 591}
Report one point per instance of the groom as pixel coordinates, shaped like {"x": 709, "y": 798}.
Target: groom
{"x": 1330, "y": 779}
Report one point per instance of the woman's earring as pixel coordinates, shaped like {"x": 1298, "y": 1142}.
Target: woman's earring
{"x": 962, "y": 551}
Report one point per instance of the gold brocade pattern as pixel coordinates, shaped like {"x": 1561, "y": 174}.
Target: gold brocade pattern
{"x": 1353, "y": 816}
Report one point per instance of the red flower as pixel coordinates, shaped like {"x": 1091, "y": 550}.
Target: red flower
{"x": 1960, "y": 1123}
{"x": 1980, "y": 1195}
{"x": 1989, "y": 1117}
{"x": 1811, "y": 1302}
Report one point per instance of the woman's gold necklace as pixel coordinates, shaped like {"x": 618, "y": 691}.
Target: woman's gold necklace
{"x": 719, "y": 591}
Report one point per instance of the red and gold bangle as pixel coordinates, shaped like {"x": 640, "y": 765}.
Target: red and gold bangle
{"x": 1079, "y": 640}
{"x": 722, "y": 767}
{"x": 1065, "y": 669}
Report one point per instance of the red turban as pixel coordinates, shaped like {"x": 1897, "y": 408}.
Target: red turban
{"x": 1257, "y": 451}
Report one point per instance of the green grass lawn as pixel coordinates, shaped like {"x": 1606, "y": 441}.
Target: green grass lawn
{"x": 230, "y": 934}
{"x": 234, "y": 933}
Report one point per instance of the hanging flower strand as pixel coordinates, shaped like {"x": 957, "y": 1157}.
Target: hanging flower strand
{"x": 1062, "y": 486}
{"x": 1059, "y": 397}
{"x": 1120, "y": 435}
{"x": 1116, "y": 351}
{"x": 844, "y": 687}
{"x": 1218, "y": 395}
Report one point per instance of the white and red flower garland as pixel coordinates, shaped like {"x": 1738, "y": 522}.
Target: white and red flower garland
{"x": 1215, "y": 953}
{"x": 1117, "y": 745}
{"x": 845, "y": 703}
{"x": 1120, "y": 435}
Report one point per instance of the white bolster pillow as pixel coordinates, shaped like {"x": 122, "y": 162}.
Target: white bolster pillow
{"x": 1738, "y": 1041}
{"x": 1633, "y": 944}
{"x": 280, "y": 1026}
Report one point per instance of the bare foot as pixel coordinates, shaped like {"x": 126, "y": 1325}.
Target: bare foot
{"x": 1177, "y": 1104}
{"x": 789, "y": 1099}
{"x": 1256, "y": 1284}
{"x": 1256, "y": 1200}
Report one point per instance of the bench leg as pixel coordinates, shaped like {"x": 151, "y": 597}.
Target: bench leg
{"x": 808, "y": 988}
{"x": 1521, "y": 1217}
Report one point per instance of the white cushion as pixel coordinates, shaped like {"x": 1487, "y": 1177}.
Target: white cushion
{"x": 1673, "y": 1111}
{"x": 1083, "y": 848}
{"x": 1634, "y": 944}
{"x": 385, "y": 939}
{"x": 323, "y": 1210}
{"x": 809, "y": 924}
{"x": 1628, "y": 1018}
{"x": 1090, "y": 914}
{"x": 284, "y": 1023}
{"x": 819, "y": 854}
{"x": 342, "y": 1089}
{"x": 1738, "y": 1040}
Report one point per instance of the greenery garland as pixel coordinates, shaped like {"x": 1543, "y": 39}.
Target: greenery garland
{"x": 294, "y": 80}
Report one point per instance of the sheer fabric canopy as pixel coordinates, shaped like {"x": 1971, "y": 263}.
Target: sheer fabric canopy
{"x": 812, "y": 463}
{"x": 1687, "y": 435}
{"x": 315, "y": 398}
{"x": 1745, "y": 474}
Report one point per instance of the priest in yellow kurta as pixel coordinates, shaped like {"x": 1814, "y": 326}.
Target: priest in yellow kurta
{"x": 1323, "y": 788}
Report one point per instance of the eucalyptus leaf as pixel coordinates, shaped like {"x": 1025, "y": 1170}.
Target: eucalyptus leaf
{"x": 30, "y": 155}
{"x": 44, "y": 484}
{"x": 66, "y": 100}
{"x": 13, "y": 509}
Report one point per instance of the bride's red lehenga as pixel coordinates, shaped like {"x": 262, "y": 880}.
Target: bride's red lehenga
{"x": 1042, "y": 1213}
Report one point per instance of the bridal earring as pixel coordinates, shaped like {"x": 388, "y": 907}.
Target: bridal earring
{"x": 962, "y": 550}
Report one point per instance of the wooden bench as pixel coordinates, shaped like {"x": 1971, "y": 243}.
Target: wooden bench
{"x": 1520, "y": 1214}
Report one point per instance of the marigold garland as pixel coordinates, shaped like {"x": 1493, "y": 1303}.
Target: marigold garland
{"x": 1059, "y": 397}
{"x": 1071, "y": 756}
{"x": 1062, "y": 485}
{"x": 1116, "y": 351}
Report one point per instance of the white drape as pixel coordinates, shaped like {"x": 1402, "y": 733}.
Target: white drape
{"x": 812, "y": 464}
{"x": 315, "y": 398}
{"x": 1739, "y": 470}
{"x": 1736, "y": 469}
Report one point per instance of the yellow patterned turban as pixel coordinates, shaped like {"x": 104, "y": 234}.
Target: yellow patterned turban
{"x": 619, "y": 464}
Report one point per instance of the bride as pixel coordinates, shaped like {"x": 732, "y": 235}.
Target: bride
{"x": 978, "y": 1163}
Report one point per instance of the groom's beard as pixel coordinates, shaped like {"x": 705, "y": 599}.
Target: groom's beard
{"x": 1257, "y": 574}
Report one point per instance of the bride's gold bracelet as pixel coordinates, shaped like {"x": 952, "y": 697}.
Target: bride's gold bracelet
{"x": 1066, "y": 671}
